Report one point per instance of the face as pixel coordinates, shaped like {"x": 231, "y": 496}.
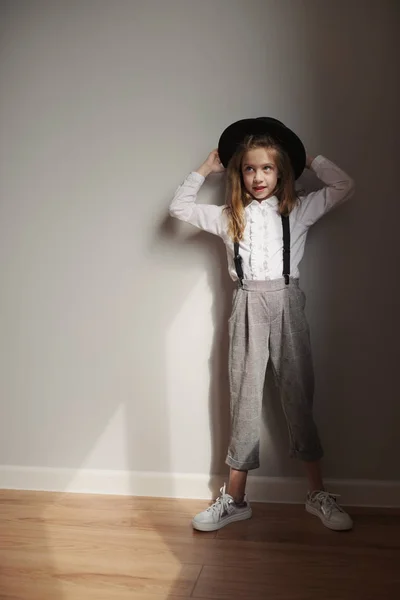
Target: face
{"x": 260, "y": 173}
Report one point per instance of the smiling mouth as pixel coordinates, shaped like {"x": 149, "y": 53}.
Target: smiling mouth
{"x": 259, "y": 189}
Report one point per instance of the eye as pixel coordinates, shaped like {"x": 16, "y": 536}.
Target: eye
{"x": 268, "y": 168}
{"x": 247, "y": 169}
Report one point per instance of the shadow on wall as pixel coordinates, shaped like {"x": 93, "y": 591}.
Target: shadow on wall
{"x": 221, "y": 285}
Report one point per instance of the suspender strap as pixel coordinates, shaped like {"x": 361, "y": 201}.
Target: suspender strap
{"x": 286, "y": 248}
{"x": 238, "y": 263}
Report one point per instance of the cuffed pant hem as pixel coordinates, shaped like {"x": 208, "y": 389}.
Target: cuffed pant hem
{"x": 241, "y": 465}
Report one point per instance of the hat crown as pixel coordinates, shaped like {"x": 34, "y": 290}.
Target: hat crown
{"x": 234, "y": 135}
{"x": 271, "y": 120}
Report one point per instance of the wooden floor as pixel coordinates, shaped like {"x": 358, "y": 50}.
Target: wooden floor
{"x": 75, "y": 547}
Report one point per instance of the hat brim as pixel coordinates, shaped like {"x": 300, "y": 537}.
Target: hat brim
{"x": 235, "y": 134}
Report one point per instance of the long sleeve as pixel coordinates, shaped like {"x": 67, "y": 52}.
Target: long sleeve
{"x": 338, "y": 188}
{"x": 208, "y": 217}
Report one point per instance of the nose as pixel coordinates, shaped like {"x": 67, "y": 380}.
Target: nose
{"x": 258, "y": 177}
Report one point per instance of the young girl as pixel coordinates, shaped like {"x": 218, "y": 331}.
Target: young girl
{"x": 264, "y": 226}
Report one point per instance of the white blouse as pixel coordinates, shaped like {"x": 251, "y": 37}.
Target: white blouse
{"x": 262, "y": 246}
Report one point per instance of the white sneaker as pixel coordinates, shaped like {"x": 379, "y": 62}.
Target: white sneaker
{"x": 324, "y": 505}
{"x": 221, "y": 513}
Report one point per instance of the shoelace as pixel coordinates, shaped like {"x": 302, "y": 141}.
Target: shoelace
{"x": 221, "y": 504}
{"x": 328, "y": 502}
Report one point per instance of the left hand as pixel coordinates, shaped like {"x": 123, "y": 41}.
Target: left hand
{"x": 309, "y": 160}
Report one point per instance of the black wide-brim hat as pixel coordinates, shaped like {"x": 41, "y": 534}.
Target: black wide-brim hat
{"x": 235, "y": 134}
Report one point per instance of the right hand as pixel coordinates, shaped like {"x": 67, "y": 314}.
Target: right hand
{"x": 212, "y": 164}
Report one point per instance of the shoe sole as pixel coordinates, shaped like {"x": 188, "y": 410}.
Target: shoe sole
{"x": 215, "y": 526}
{"x": 333, "y": 526}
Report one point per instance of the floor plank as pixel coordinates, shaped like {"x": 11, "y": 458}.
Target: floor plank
{"x": 313, "y": 576}
{"x": 373, "y": 528}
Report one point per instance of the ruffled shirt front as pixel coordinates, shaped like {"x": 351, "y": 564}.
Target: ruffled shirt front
{"x": 259, "y": 236}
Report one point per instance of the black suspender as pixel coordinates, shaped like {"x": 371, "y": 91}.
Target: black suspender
{"x": 238, "y": 262}
{"x": 286, "y": 248}
{"x": 286, "y": 253}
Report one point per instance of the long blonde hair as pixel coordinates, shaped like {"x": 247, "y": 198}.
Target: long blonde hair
{"x": 236, "y": 194}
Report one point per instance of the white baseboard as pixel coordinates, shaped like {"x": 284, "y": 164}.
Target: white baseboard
{"x": 187, "y": 485}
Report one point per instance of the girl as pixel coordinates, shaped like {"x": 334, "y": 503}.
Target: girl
{"x": 264, "y": 226}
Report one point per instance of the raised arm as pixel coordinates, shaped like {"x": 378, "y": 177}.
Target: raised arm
{"x": 338, "y": 188}
{"x": 184, "y": 206}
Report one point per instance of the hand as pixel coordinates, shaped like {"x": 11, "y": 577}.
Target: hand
{"x": 212, "y": 164}
{"x": 309, "y": 160}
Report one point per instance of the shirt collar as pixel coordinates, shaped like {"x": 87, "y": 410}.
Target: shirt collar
{"x": 272, "y": 202}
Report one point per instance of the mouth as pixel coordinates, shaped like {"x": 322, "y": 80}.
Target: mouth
{"x": 259, "y": 188}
